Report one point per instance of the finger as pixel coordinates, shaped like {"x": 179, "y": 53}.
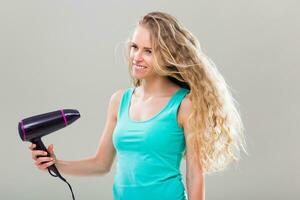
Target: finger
{"x": 45, "y": 165}
{"x": 50, "y": 146}
{"x": 39, "y": 164}
{"x": 50, "y": 149}
{"x": 32, "y": 146}
{"x": 41, "y": 160}
{"x": 36, "y": 153}
{"x": 39, "y": 152}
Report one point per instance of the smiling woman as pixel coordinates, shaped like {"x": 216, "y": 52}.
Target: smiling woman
{"x": 179, "y": 106}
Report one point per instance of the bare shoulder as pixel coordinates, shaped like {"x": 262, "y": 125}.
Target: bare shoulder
{"x": 117, "y": 95}
{"x": 184, "y": 110}
{"x": 115, "y": 100}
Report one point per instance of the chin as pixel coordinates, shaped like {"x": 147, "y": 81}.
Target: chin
{"x": 138, "y": 76}
{"x": 141, "y": 75}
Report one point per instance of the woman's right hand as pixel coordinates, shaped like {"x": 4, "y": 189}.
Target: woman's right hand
{"x": 43, "y": 161}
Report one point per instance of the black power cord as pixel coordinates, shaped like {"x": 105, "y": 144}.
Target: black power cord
{"x": 63, "y": 179}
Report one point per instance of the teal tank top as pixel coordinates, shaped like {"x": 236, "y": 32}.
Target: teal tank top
{"x": 149, "y": 153}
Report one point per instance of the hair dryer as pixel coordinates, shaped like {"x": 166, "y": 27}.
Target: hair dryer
{"x": 33, "y": 128}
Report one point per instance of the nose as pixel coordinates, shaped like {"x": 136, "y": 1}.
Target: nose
{"x": 137, "y": 56}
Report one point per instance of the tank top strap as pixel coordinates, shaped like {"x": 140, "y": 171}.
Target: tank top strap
{"x": 174, "y": 104}
{"x": 124, "y": 102}
{"x": 178, "y": 97}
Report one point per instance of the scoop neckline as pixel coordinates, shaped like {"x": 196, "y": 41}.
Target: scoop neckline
{"x": 157, "y": 114}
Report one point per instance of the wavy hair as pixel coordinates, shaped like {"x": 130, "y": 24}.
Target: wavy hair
{"x": 217, "y": 131}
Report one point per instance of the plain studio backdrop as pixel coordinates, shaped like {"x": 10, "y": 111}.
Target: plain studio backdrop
{"x": 69, "y": 54}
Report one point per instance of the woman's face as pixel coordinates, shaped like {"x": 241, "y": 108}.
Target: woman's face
{"x": 141, "y": 54}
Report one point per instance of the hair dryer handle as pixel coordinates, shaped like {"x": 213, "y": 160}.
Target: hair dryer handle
{"x": 40, "y": 146}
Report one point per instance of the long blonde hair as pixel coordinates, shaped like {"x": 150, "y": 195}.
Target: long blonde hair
{"x": 217, "y": 132}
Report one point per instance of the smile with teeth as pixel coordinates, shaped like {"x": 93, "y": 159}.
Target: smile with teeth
{"x": 140, "y": 66}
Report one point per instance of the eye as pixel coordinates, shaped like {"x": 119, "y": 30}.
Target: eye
{"x": 133, "y": 46}
{"x": 148, "y": 51}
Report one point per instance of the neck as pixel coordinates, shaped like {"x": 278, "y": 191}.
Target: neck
{"x": 156, "y": 87}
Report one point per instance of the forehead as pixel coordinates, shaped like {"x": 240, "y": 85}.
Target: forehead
{"x": 141, "y": 36}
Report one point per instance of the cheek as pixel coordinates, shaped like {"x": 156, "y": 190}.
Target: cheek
{"x": 148, "y": 60}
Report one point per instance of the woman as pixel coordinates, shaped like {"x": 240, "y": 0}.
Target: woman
{"x": 179, "y": 106}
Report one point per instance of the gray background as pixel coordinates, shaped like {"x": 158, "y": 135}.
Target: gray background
{"x": 69, "y": 54}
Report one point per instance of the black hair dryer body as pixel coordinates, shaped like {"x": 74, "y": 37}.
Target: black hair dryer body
{"x": 33, "y": 128}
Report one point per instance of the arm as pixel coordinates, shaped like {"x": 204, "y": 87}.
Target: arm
{"x": 194, "y": 174}
{"x": 195, "y": 179}
{"x": 98, "y": 164}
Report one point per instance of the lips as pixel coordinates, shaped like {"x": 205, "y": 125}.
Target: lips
{"x": 140, "y": 66}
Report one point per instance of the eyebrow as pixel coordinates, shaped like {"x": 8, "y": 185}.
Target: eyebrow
{"x": 132, "y": 43}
